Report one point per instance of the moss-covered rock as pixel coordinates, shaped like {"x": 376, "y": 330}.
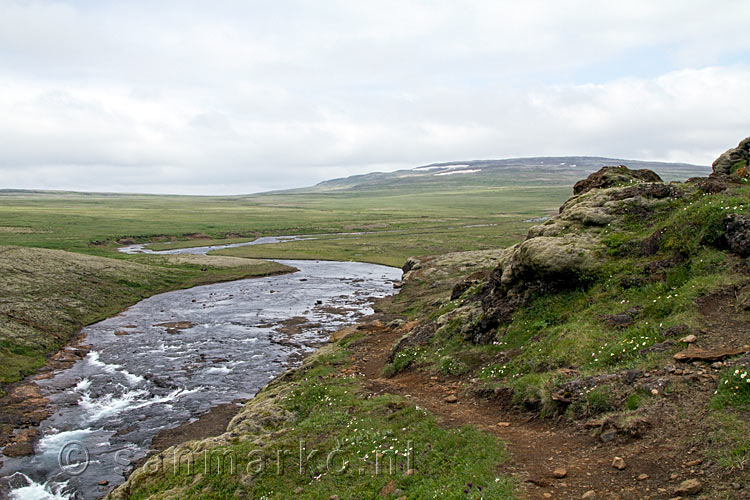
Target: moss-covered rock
{"x": 733, "y": 159}
{"x": 614, "y": 176}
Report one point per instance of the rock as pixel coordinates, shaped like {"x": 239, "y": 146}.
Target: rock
{"x": 103, "y": 483}
{"x": 560, "y": 472}
{"x": 608, "y": 177}
{"x": 689, "y": 355}
{"x": 589, "y": 495}
{"x": 466, "y": 283}
{"x": 22, "y": 449}
{"x": 690, "y": 339}
{"x": 333, "y": 497}
{"x": 689, "y": 487}
{"x": 622, "y": 320}
{"x": 398, "y": 492}
{"x": 175, "y": 326}
{"x": 651, "y": 245}
{"x": 396, "y": 323}
{"x": 743, "y": 299}
{"x": 606, "y": 437}
{"x": 618, "y": 463}
{"x": 737, "y": 234}
{"x": 412, "y": 264}
{"x": 547, "y": 495}
{"x": 451, "y": 399}
{"x": 548, "y": 257}
{"x": 677, "y": 330}
{"x": 631, "y": 376}
{"x": 732, "y": 158}
{"x": 298, "y": 490}
{"x": 121, "y": 332}
{"x": 642, "y": 477}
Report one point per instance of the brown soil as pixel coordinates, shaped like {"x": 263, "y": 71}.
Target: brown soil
{"x": 668, "y": 451}
{"x": 213, "y": 423}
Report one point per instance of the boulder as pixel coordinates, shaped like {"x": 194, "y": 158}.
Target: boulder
{"x": 738, "y": 234}
{"x": 733, "y": 158}
{"x": 614, "y": 176}
{"x": 545, "y": 257}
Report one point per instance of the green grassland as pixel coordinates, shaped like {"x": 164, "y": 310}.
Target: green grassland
{"x": 388, "y": 248}
{"x": 92, "y": 223}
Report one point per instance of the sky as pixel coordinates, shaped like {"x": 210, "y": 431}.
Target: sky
{"x": 232, "y": 97}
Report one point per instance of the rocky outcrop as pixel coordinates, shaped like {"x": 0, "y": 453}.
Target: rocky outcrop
{"x": 569, "y": 250}
{"x": 732, "y": 159}
{"x": 566, "y": 251}
{"x": 614, "y": 176}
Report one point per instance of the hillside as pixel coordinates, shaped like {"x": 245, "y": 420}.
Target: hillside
{"x": 538, "y": 171}
{"x": 605, "y": 356}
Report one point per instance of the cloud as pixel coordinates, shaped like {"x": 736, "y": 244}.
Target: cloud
{"x": 241, "y": 97}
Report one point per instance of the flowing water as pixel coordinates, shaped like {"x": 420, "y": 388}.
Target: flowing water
{"x": 222, "y": 342}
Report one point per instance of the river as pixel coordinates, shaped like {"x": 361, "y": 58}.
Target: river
{"x": 174, "y": 357}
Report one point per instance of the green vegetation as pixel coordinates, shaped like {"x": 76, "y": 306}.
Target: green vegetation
{"x": 616, "y": 320}
{"x": 93, "y": 223}
{"x": 733, "y": 389}
{"x": 366, "y": 445}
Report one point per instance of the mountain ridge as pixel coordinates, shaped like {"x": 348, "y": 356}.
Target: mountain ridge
{"x": 566, "y": 170}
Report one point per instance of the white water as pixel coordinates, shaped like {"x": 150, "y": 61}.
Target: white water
{"x": 37, "y": 491}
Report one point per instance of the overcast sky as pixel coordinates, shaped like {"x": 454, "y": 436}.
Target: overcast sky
{"x": 227, "y": 97}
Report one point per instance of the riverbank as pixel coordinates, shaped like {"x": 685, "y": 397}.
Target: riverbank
{"x": 51, "y": 294}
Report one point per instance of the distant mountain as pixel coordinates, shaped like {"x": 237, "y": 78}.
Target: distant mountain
{"x": 552, "y": 170}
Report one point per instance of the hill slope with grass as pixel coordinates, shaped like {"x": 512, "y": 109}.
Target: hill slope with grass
{"x": 604, "y": 356}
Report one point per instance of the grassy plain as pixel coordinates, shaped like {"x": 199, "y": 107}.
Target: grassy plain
{"x": 92, "y": 223}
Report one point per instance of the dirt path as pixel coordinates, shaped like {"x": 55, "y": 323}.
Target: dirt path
{"x": 654, "y": 466}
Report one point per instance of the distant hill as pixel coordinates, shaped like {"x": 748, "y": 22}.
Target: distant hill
{"x": 554, "y": 170}
{"x": 537, "y": 171}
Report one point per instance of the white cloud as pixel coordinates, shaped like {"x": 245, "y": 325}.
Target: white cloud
{"x": 227, "y": 98}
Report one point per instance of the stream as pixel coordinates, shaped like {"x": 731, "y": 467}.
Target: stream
{"x": 174, "y": 357}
